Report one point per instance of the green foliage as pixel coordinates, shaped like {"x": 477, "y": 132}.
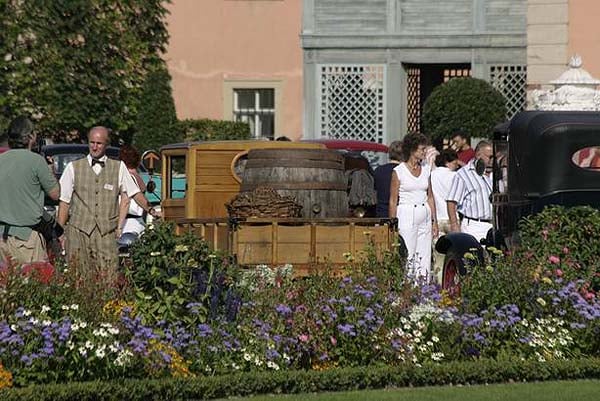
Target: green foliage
{"x": 172, "y": 276}
{"x": 73, "y": 64}
{"x": 467, "y": 104}
{"x": 214, "y": 130}
{"x": 564, "y": 242}
{"x": 503, "y": 280}
{"x": 157, "y": 123}
{"x": 246, "y": 384}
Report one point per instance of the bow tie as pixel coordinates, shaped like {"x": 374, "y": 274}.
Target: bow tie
{"x": 96, "y": 161}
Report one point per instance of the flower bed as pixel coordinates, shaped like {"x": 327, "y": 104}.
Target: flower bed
{"x": 183, "y": 312}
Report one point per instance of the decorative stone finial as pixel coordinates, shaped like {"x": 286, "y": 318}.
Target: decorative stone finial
{"x": 575, "y": 89}
{"x": 575, "y": 61}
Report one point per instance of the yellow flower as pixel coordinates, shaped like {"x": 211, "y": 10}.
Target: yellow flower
{"x": 541, "y": 301}
{"x": 178, "y": 367}
{"x": 114, "y": 308}
{"x": 6, "y": 379}
{"x": 181, "y": 248}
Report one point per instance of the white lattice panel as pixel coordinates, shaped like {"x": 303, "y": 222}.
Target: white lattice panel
{"x": 511, "y": 81}
{"x": 352, "y": 102}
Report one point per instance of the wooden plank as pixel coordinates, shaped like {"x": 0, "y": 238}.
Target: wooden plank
{"x": 299, "y": 234}
{"x": 255, "y": 233}
{"x": 298, "y": 253}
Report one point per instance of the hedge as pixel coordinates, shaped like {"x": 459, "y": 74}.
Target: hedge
{"x": 213, "y": 130}
{"x": 467, "y": 104}
{"x": 246, "y": 384}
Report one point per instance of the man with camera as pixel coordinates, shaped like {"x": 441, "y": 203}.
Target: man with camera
{"x": 24, "y": 180}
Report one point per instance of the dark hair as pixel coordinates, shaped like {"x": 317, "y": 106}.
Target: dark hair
{"x": 462, "y": 134}
{"x": 395, "y": 150}
{"x": 283, "y": 138}
{"x": 130, "y": 156}
{"x": 19, "y": 132}
{"x": 447, "y": 156}
{"x": 412, "y": 142}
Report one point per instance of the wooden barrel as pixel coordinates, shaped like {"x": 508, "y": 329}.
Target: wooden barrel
{"x": 315, "y": 177}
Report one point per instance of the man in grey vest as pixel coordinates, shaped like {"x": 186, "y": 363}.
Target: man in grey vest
{"x": 89, "y": 203}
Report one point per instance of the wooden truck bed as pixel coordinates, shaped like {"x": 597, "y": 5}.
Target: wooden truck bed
{"x": 308, "y": 244}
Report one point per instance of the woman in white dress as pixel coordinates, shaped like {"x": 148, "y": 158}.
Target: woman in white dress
{"x": 411, "y": 201}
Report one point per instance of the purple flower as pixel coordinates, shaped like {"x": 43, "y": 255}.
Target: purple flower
{"x": 204, "y": 330}
{"x": 347, "y": 329}
{"x": 283, "y": 309}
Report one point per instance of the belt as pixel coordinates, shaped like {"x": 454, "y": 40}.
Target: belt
{"x": 411, "y": 204}
{"x": 480, "y": 220}
{"x": 133, "y": 216}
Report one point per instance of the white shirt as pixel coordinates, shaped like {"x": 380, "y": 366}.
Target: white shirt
{"x": 67, "y": 180}
{"x": 441, "y": 179}
{"x": 413, "y": 190}
{"x": 472, "y": 192}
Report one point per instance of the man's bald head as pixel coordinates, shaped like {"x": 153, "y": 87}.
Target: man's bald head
{"x": 98, "y": 138}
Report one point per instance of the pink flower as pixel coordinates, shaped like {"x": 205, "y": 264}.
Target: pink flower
{"x": 545, "y": 234}
{"x": 303, "y": 338}
{"x": 558, "y": 272}
{"x": 554, "y": 260}
{"x": 589, "y": 295}
{"x": 565, "y": 250}
{"x": 333, "y": 341}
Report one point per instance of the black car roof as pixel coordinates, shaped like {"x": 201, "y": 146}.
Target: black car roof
{"x": 54, "y": 149}
{"x": 541, "y": 148}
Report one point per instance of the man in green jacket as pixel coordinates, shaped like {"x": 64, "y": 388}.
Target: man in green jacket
{"x": 24, "y": 180}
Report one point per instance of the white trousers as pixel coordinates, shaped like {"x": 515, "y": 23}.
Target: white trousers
{"x": 477, "y": 229}
{"x": 414, "y": 226}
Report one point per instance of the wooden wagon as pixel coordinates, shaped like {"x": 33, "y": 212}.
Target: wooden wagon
{"x": 212, "y": 175}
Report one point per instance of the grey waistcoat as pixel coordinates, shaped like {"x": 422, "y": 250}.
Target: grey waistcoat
{"x": 95, "y": 200}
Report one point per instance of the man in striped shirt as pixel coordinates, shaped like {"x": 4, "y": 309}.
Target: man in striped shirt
{"x": 469, "y": 196}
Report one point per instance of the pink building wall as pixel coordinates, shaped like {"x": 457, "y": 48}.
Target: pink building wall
{"x": 213, "y": 41}
{"x": 584, "y": 33}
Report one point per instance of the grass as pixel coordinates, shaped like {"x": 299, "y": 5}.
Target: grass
{"x": 546, "y": 391}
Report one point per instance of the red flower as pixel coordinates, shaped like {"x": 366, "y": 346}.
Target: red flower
{"x": 41, "y": 271}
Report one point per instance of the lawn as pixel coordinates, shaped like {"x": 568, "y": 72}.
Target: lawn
{"x": 547, "y": 391}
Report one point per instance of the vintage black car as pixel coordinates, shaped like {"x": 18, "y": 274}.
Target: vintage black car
{"x": 62, "y": 154}
{"x": 541, "y": 158}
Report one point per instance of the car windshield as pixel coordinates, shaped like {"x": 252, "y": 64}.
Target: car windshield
{"x": 62, "y": 159}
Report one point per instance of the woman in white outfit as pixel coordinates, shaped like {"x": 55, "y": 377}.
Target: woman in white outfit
{"x": 411, "y": 201}
{"x": 134, "y": 220}
{"x": 441, "y": 179}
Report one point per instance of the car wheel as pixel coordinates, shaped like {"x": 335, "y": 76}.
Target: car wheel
{"x": 453, "y": 265}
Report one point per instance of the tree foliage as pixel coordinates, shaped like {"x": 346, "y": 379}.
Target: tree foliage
{"x": 73, "y": 64}
{"x": 157, "y": 123}
{"x": 468, "y": 104}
